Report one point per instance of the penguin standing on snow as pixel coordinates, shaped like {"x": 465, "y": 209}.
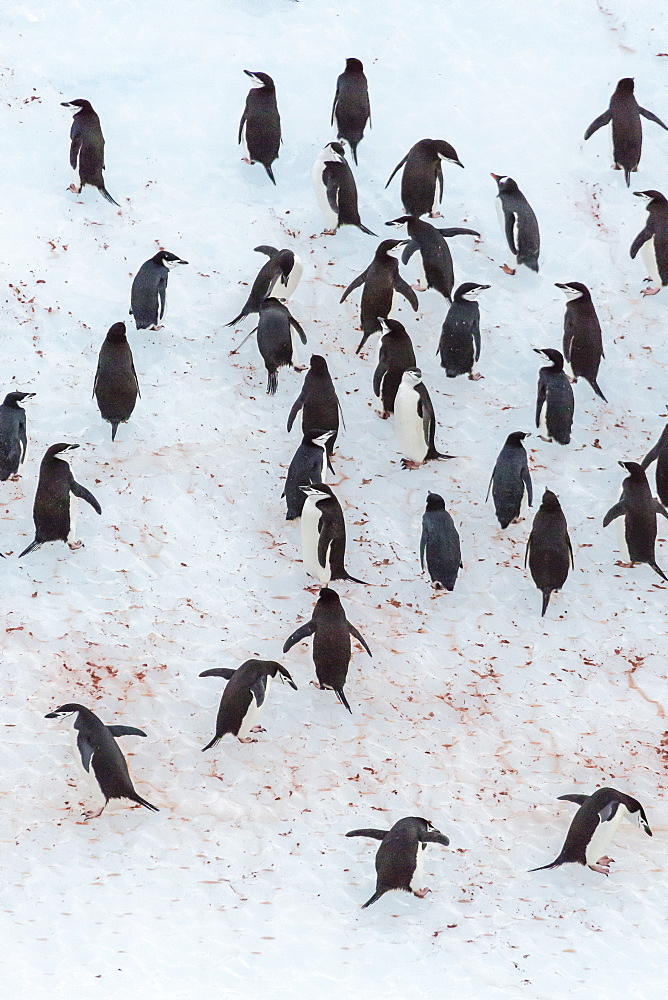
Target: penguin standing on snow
{"x": 381, "y": 280}
{"x": 593, "y": 827}
{"x": 308, "y": 467}
{"x": 653, "y": 239}
{"x": 331, "y": 633}
{"x": 335, "y": 190}
{"x": 323, "y": 531}
{"x": 555, "y": 402}
{"x": 583, "y": 344}
{"x": 549, "y": 552}
{"x": 96, "y": 746}
{"x": 422, "y": 179}
{"x": 351, "y": 106}
{"x": 148, "y": 297}
{"x": 275, "y": 339}
{"x": 55, "y": 507}
{"x": 511, "y": 480}
{"x": 639, "y": 509}
{"x": 13, "y": 436}
{"x": 260, "y": 125}
{"x": 87, "y": 148}
{"x": 116, "y": 387}
{"x": 416, "y": 422}
{"x": 434, "y": 252}
{"x": 244, "y": 697}
{"x": 439, "y": 545}
{"x": 318, "y": 402}
{"x": 658, "y": 454}
{"x": 395, "y": 356}
{"x": 459, "y": 345}
{"x": 399, "y": 859}
{"x": 519, "y": 223}
{"x": 276, "y": 279}
{"x": 624, "y": 112}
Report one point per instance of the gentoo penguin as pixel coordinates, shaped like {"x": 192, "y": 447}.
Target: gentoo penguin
{"x": 654, "y": 239}
{"x": 659, "y": 454}
{"x": 55, "y": 507}
{"x": 381, "y": 280}
{"x": 308, "y": 467}
{"x": 593, "y": 827}
{"x": 87, "y": 148}
{"x": 116, "y": 387}
{"x": 96, "y": 746}
{"x": 422, "y": 179}
{"x": 13, "y": 437}
{"x": 555, "y": 402}
{"x": 278, "y": 278}
{"x": 434, "y": 252}
{"x": 323, "y": 531}
{"x": 583, "y": 344}
{"x": 459, "y": 345}
{"x": 318, "y": 402}
{"x": 416, "y": 422}
{"x": 624, "y": 112}
{"x": 549, "y": 552}
{"x": 395, "y": 356}
{"x": 399, "y": 858}
{"x": 244, "y": 697}
{"x": 335, "y": 190}
{"x": 148, "y": 297}
{"x": 260, "y": 125}
{"x": 331, "y": 633}
{"x": 519, "y": 223}
{"x": 639, "y": 509}
{"x": 351, "y": 106}
{"x": 439, "y": 545}
{"x": 510, "y": 479}
{"x": 275, "y": 339}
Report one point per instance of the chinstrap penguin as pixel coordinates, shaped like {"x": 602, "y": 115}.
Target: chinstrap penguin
{"x": 87, "y": 148}
{"x": 244, "y": 697}
{"x": 351, "y": 107}
{"x": 148, "y": 297}
{"x": 520, "y": 223}
{"x": 422, "y": 179}
{"x": 440, "y": 549}
{"x": 653, "y": 240}
{"x": 416, "y": 422}
{"x": 395, "y": 356}
{"x": 335, "y": 190}
{"x": 277, "y": 279}
{"x": 381, "y": 280}
{"x": 260, "y": 125}
{"x": 659, "y": 454}
{"x": 308, "y": 467}
{"x": 433, "y": 251}
{"x": 511, "y": 480}
{"x": 13, "y": 435}
{"x": 116, "y": 387}
{"x": 276, "y": 329}
{"x": 583, "y": 343}
{"x": 555, "y": 402}
{"x": 318, "y": 402}
{"x": 639, "y": 509}
{"x": 459, "y": 346}
{"x": 323, "y": 536}
{"x": 624, "y": 112}
{"x": 549, "y": 552}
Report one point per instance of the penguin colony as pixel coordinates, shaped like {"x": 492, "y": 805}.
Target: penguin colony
{"x": 397, "y": 382}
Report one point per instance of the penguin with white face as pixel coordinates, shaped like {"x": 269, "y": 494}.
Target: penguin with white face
{"x": 277, "y": 279}
{"x": 309, "y": 466}
{"x": 583, "y": 343}
{"x": 335, "y": 190}
{"x": 433, "y": 252}
{"x": 243, "y": 698}
{"x": 416, "y": 421}
{"x": 555, "y": 402}
{"x": 13, "y": 435}
{"x": 148, "y": 296}
{"x": 459, "y": 345}
{"x": 519, "y": 223}
{"x": 381, "y": 281}
{"x": 323, "y": 536}
{"x": 87, "y": 148}
{"x": 652, "y": 241}
{"x": 422, "y": 179}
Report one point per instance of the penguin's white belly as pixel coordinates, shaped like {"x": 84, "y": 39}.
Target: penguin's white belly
{"x": 648, "y": 253}
{"x": 86, "y": 780}
{"x": 422, "y": 277}
{"x": 416, "y": 880}
{"x": 244, "y": 144}
{"x": 295, "y": 341}
{"x": 253, "y": 714}
{"x": 434, "y": 207}
{"x": 500, "y": 215}
{"x": 324, "y": 471}
{"x": 310, "y": 537}
{"x": 409, "y": 425}
{"x": 329, "y": 215}
{"x": 622, "y": 544}
{"x": 74, "y": 507}
{"x": 603, "y": 837}
{"x": 542, "y": 424}
{"x": 284, "y": 292}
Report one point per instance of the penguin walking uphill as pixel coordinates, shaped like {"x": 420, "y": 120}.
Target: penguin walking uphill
{"x": 54, "y": 510}
{"x": 594, "y": 826}
{"x": 318, "y": 402}
{"x": 351, "y": 106}
{"x": 416, "y": 421}
{"x": 549, "y": 551}
{"x": 555, "y": 402}
{"x": 260, "y": 125}
{"x": 519, "y": 223}
{"x": 399, "y": 859}
{"x": 639, "y": 509}
{"x": 381, "y": 281}
{"x": 459, "y": 345}
{"x": 96, "y": 747}
{"x": 276, "y": 328}
{"x": 87, "y": 148}
{"x": 511, "y": 480}
{"x": 433, "y": 250}
{"x": 308, "y": 467}
{"x": 653, "y": 240}
{"x": 658, "y": 454}
{"x": 13, "y": 435}
{"x": 148, "y": 296}
{"x": 395, "y": 356}
{"x": 624, "y": 112}
{"x": 277, "y": 278}
{"x": 331, "y": 633}
{"x": 323, "y": 536}
{"x": 116, "y": 387}
{"x": 422, "y": 179}
{"x": 335, "y": 190}
{"x": 583, "y": 344}
{"x": 439, "y": 545}
{"x": 243, "y": 698}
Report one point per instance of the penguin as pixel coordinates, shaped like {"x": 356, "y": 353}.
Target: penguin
{"x": 555, "y": 402}
{"x": 148, "y": 296}
{"x": 416, "y": 422}
{"x": 549, "y": 551}
{"x": 653, "y": 240}
{"x": 583, "y": 344}
{"x": 511, "y": 480}
{"x": 624, "y": 112}
{"x": 351, "y": 106}
{"x": 399, "y": 858}
{"x": 459, "y": 345}
{"x": 278, "y": 278}
{"x": 422, "y": 179}
{"x": 381, "y": 280}
{"x": 335, "y": 190}
{"x": 275, "y": 339}
{"x": 519, "y": 222}
{"x": 260, "y": 125}
{"x": 243, "y": 698}
{"x": 331, "y": 633}
{"x": 318, "y": 402}
{"x": 323, "y": 534}
{"x": 435, "y": 256}
{"x": 395, "y": 356}
{"x": 658, "y": 454}
{"x": 593, "y": 827}
{"x": 639, "y": 509}
{"x": 54, "y": 510}
{"x": 87, "y": 148}
{"x": 116, "y": 387}
{"x": 96, "y": 747}
{"x": 309, "y": 466}
{"x": 439, "y": 545}
{"x": 13, "y": 436}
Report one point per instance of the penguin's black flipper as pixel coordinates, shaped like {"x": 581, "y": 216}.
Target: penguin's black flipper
{"x": 77, "y": 139}
{"x": 225, "y": 672}
{"x": 409, "y": 250}
{"x": 615, "y": 511}
{"x": 398, "y": 167}
{"x": 651, "y": 456}
{"x": 372, "y": 834}
{"x": 86, "y": 750}
{"x": 353, "y": 631}
{"x": 457, "y": 231}
{"x": 125, "y": 731}
{"x": 295, "y": 324}
{"x": 511, "y": 218}
{"x": 342, "y": 698}
{"x": 651, "y": 117}
{"x": 303, "y": 632}
{"x": 573, "y": 797}
{"x": 259, "y": 690}
{"x": 83, "y": 494}
{"x": 359, "y": 280}
{"x": 378, "y": 379}
{"x": 594, "y": 127}
{"x": 405, "y": 289}
{"x": 105, "y": 194}
{"x": 269, "y": 251}
{"x": 540, "y": 399}
{"x": 525, "y": 476}
{"x": 296, "y": 407}
{"x": 640, "y": 239}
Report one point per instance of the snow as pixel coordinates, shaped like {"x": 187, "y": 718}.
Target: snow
{"x": 473, "y": 712}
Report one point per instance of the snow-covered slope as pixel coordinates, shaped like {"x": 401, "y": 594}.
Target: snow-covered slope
{"x": 473, "y": 712}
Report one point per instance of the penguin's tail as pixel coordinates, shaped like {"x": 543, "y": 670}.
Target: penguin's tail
{"x": 114, "y": 428}
{"x": 627, "y": 177}
{"x": 376, "y": 896}
{"x": 342, "y": 698}
{"x": 143, "y": 802}
{"x": 432, "y": 453}
{"x": 33, "y": 545}
{"x": 555, "y": 864}
{"x": 214, "y": 742}
{"x": 547, "y": 594}
{"x": 353, "y": 149}
{"x": 352, "y": 579}
{"x": 658, "y": 570}
{"x": 270, "y": 172}
{"x": 237, "y": 319}
{"x": 365, "y": 230}
{"x": 272, "y": 383}
{"x": 595, "y": 386}
{"x": 105, "y": 194}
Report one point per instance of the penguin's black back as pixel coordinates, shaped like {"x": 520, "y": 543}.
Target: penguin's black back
{"x": 318, "y": 402}
{"x": 640, "y": 527}
{"x": 12, "y": 431}
{"x": 626, "y": 128}
{"x": 351, "y": 104}
{"x": 419, "y": 179}
{"x": 331, "y": 641}
{"x": 659, "y": 453}
{"x": 508, "y": 484}
{"x": 440, "y": 547}
{"x": 149, "y": 282}
{"x": 274, "y": 339}
{"x": 116, "y": 382}
{"x": 51, "y": 509}
{"x": 378, "y": 293}
{"x": 559, "y": 404}
{"x": 306, "y": 469}
{"x": 549, "y": 552}
{"x": 395, "y": 356}
{"x": 459, "y": 345}
{"x": 263, "y": 125}
{"x": 583, "y": 343}
{"x": 86, "y": 126}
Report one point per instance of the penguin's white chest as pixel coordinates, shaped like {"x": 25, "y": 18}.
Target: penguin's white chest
{"x": 86, "y": 780}
{"x": 409, "y": 425}
{"x": 329, "y": 215}
{"x": 542, "y": 423}
{"x": 310, "y": 537}
{"x": 416, "y": 880}
{"x": 74, "y": 508}
{"x": 603, "y": 836}
{"x": 254, "y": 712}
{"x": 244, "y": 143}
{"x": 648, "y": 253}
{"x": 622, "y": 544}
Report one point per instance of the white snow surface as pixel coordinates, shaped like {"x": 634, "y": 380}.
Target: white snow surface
{"x": 473, "y": 712}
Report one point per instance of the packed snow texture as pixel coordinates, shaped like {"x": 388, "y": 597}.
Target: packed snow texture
{"x": 473, "y": 712}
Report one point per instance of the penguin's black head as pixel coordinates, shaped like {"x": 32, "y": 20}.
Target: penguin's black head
{"x": 574, "y": 290}
{"x": 319, "y": 438}
{"x": 60, "y": 713}
{"x": 556, "y": 357}
{"x": 401, "y": 221}
{"x": 550, "y": 501}
{"x": 634, "y": 470}
{"x": 276, "y": 670}
{"x": 383, "y": 249}
{"x": 354, "y": 66}
{"x": 318, "y": 492}
{"x": 78, "y": 105}
{"x": 318, "y": 365}
{"x": 505, "y": 184}
{"x": 328, "y": 596}
{"x": 517, "y": 437}
{"x": 425, "y": 831}
{"x": 286, "y": 261}
{"x": 442, "y": 150}
{"x": 435, "y": 502}
{"x": 169, "y": 260}
{"x": 14, "y": 398}
{"x": 412, "y": 376}
{"x": 261, "y": 79}
{"x": 116, "y": 333}
{"x": 59, "y": 449}
{"x": 625, "y": 86}
{"x": 393, "y": 326}
{"x": 469, "y": 292}
{"x": 337, "y": 148}
{"x": 651, "y": 196}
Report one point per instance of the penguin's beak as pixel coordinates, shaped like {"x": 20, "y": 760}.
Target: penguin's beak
{"x": 497, "y": 177}
{"x": 623, "y": 465}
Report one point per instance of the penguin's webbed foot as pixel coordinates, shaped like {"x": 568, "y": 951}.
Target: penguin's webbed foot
{"x": 318, "y": 686}
{"x": 155, "y": 326}
{"x": 419, "y": 287}
{"x": 258, "y": 729}
{"x": 650, "y": 291}
{"x": 15, "y": 478}
{"x": 476, "y": 377}
{"x": 75, "y": 545}
{"x": 625, "y": 565}
{"x": 603, "y": 865}
{"x": 435, "y": 215}
{"x": 545, "y": 439}
{"x": 408, "y": 463}
{"x": 507, "y": 269}
{"x": 75, "y": 189}
{"x": 247, "y": 739}
{"x": 246, "y": 159}
{"x": 93, "y": 813}
{"x": 421, "y": 893}
{"x": 384, "y": 414}
{"x": 329, "y": 232}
